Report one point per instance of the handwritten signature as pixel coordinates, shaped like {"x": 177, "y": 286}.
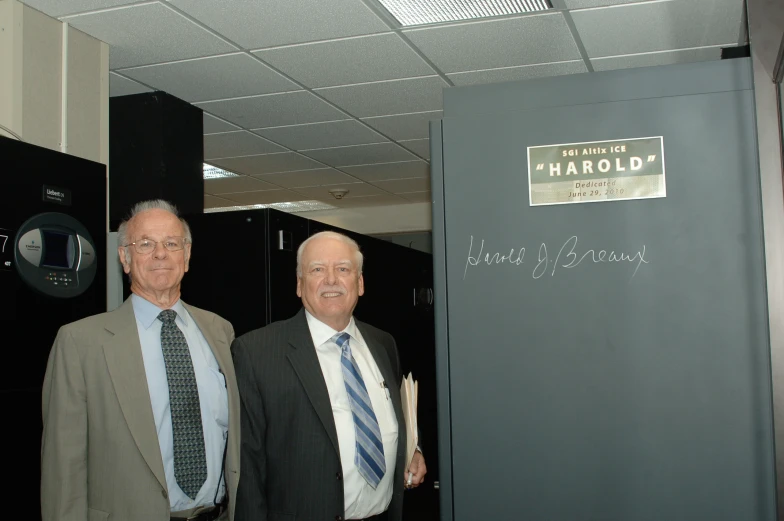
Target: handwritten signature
{"x": 568, "y": 257}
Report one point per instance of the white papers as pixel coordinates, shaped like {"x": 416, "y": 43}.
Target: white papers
{"x": 409, "y": 392}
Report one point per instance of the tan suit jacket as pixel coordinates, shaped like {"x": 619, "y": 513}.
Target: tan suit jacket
{"x": 100, "y": 457}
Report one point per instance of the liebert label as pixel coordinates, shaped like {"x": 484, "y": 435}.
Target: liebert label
{"x": 596, "y": 171}
{"x": 53, "y": 194}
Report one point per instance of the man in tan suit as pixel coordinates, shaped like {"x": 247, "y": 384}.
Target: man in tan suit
{"x": 140, "y": 405}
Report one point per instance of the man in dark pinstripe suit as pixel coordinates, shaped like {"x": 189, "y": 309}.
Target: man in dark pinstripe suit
{"x": 322, "y": 436}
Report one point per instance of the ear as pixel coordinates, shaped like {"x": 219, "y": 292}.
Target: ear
{"x": 125, "y": 264}
{"x": 361, "y": 286}
{"x": 299, "y": 287}
{"x": 187, "y": 255}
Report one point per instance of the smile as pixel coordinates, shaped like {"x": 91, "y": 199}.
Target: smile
{"x": 331, "y": 295}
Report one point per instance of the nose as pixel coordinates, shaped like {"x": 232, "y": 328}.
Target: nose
{"x": 331, "y": 277}
{"x": 160, "y": 252}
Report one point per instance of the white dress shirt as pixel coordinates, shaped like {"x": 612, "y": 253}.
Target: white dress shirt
{"x": 361, "y": 500}
{"x": 213, "y": 398}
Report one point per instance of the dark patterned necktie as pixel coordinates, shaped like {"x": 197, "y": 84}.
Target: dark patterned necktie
{"x": 190, "y": 462}
{"x": 369, "y": 456}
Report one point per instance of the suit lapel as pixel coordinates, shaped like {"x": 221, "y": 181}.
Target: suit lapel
{"x": 123, "y": 355}
{"x": 205, "y": 326}
{"x": 304, "y": 359}
{"x": 222, "y": 352}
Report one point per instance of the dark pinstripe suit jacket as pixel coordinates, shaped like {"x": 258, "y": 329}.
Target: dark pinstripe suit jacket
{"x": 290, "y": 460}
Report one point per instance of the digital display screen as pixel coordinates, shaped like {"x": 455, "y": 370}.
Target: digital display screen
{"x": 58, "y": 250}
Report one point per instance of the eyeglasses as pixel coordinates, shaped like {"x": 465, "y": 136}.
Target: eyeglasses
{"x": 145, "y": 246}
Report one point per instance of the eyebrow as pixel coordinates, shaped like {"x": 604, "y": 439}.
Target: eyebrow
{"x": 146, "y": 236}
{"x": 321, "y": 263}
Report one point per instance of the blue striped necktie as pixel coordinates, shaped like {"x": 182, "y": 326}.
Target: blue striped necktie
{"x": 369, "y": 456}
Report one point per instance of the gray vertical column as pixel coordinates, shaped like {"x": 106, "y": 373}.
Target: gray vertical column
{"x": 442, "y": 325}
{"x": 766, "y": 33}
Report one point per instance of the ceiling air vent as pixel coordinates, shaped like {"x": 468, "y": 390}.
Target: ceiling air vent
{"x": 422, "y": 12}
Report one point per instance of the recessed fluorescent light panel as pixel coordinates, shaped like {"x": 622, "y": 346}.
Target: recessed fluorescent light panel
{"x": 421, "y": 12}
{"x": 292, "y": 207}
{"x": 213, "y": 172}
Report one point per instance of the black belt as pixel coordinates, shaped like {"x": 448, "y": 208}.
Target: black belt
{"x": 209, "y": 515}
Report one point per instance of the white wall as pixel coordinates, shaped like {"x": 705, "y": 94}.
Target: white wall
{"x": 36, "y": 54}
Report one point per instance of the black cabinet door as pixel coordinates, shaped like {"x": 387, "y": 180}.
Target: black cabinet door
{"x": 228, "y": 267}
{"x": 399, "y": 299}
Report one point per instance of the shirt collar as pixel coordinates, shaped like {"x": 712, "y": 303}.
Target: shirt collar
{"x": 322, "y": 333}
{"x": 146, "y": 312}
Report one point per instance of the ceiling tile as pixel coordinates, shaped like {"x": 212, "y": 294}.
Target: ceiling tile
{"x": 350, "y": 60}
{"x": 368, "y": 200}
{"x": 265, "y": 23}
{"x": 236, "y": 184}
{"x": 657, "y": 58}
{"x": 56, "y": 8}
{"x": 405, "y": 126}
{"x": 322, "y": 135}
{"x": 316, "y": 177}
{"x": 267, "y": 163}
{"x": 274, "y": 110}
{"x": 240, "y": 143}
{"x": 420, "y": 147}
{"x": 213, "y": 125}
{"x": 418, "y": 197}
{"x": 523, "y": 72}
{"x": 211, "y": 201}
{"x": 354, "y": 190}
{"x": 119, "y": 86}
{"x": 497, "y": 43}
{"x": 397, "y": 186}
{"x": 205, "y": 79}
{"x": 264, "y": 197}
{"x": 360, "y": 154}
{"x": 381, "y": 172}
{"x": 580, "y": 4}
{"x": 148, "y": 33}
{"x": 658, "y": 26}
{"x": 388, "y": 97}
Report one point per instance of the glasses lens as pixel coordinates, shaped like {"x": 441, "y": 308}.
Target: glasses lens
{"x": 145, "y": 246}
{"x": 174, "y": 243}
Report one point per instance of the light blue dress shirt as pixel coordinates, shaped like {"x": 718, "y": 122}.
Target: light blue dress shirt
{"x": 213, "y": 398}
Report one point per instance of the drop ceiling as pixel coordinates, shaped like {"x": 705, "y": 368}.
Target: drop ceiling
{"x": 303, "y": 96}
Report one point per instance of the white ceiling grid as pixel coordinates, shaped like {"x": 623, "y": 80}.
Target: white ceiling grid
{"x": 301, "y": 96}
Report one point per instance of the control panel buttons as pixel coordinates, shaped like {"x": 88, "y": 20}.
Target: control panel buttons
{"x": 59, "y": 279}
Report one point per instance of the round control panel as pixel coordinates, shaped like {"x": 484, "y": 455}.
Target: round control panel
{"x": 55, "y": 255}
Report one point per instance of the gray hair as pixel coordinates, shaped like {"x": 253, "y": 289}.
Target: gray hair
{"x": 143, "y": 206}
{"x": 331, "y": 235}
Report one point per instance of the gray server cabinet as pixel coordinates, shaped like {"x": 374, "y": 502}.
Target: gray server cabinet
{"x": 597, "y": 393}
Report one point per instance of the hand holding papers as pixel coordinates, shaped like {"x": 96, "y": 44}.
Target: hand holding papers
{"x": 409, "y": 391}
